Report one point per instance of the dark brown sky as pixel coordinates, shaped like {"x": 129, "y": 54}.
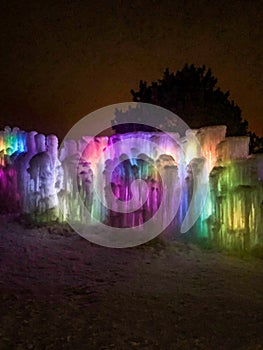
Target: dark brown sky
{"x": 61, "y": 60}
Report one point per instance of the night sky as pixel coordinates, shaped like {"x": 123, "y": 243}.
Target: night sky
{"x": 60, "y": 60}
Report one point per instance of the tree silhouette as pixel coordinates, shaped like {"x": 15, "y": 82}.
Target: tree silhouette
{"x": 191, "y": 93}
{"x": 256, "y": 143}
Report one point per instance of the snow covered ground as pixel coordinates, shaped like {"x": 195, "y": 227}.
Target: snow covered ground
{"x": 58, "y": 291}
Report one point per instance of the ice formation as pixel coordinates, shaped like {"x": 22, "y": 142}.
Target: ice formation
{"x": 36, "y": 179}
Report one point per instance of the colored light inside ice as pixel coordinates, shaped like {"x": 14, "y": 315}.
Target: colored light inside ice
{"x": 233, "y": 212}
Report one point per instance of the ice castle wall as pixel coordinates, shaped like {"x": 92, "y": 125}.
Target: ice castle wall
{"x": 36, "y": 179}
